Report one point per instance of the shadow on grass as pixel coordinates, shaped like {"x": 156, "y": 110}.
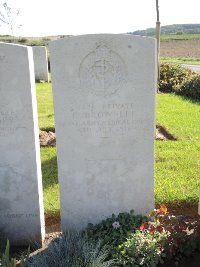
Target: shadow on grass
{"x": 190, "y": 99}
{"x": 50, "y": 172}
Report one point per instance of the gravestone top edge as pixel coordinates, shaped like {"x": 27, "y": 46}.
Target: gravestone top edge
{"x": 38, "y": 46}
{"x": 134, "y": 37}
{"x": 14, "y": 45}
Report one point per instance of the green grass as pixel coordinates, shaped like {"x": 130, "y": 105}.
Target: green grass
{"x": 180, "y": 116}
{"x": 177, "y": 163}
{"x": 181, "y": 60}
{"x": 50, "y": 179}
{"x": 179, "y": 36}
{"x": 45, "y": 105}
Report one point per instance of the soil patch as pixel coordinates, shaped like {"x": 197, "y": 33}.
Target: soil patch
{"x": 163, "y": 134}
{"x": 48, "y": 138}
{"x": 180, "y": 48}
{"x": 185, "y": 209}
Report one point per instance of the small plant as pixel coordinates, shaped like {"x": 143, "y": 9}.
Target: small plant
{"x": 163, "y": 236}
{"x": 115, "y": 230}
{"x": 6, "y": 261}
{"x": 183, "y": 235}
{"x": 172, "y": 76}
{"x": 72, "y": 250}
{"x": 191, "y": 88}
{"x": 143, "y": 249}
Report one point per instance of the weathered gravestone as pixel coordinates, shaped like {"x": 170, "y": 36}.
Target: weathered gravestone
{"x": 21, "y": 201}
{"x": 104, "y": 99}
{"x": 40, "y": 63}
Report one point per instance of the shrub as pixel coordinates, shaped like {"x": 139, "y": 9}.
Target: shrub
{"x": 183, "y": 235}
{"x": 23, "y": 40}
{"x": 115, "y": 230}
{"x": 191, "y": 88}
{"x": 172, "y": 76}
{"x": 163, "y": 236}
{"x": 46, "y": 39}
{"x": 143, "y": 249}
{"x": 72, "y": 250}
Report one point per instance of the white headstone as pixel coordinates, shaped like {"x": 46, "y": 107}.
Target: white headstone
{"x": 104, "y": 97}
{"x": 21, "y": 200}
{"x": 40, "y": 63}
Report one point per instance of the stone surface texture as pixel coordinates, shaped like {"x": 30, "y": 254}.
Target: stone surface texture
{"x": 21, "y": 200}
{"x": 104, "y": 97}
{"x": 40, "y": 63}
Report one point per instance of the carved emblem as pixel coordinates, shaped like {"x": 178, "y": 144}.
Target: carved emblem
{"x": 102, "y": 71}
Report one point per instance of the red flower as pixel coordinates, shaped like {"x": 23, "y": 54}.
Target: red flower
{"x": 144, "y": 226}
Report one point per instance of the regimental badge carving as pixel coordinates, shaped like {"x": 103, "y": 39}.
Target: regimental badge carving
{"x": 102, "y": 71}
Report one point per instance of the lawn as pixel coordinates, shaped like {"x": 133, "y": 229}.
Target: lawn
{"x": 181, "y": 60}
{"x": 45, "y": 105}
{"x": 177, "y": 163}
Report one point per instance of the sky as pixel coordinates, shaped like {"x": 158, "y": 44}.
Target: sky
{"x": 75, "y": 17}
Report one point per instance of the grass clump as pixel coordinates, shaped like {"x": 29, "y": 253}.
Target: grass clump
{"x": 7, "y": 261}
{"x": 72, "y": 250}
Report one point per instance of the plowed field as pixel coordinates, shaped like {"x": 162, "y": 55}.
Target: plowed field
{"x": 180, "y": 48}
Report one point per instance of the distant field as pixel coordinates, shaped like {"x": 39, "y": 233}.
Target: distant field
{"x": 180, "y": 37}
{"x": 42, "y": 41}
{"x": 180, "y": 48}
{"x": 175, "y": 48}
{"x": 172, "y": 46}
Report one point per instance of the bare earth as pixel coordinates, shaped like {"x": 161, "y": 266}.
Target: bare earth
{"x": 180, "y": 48}
{"x": 48, "y": 138}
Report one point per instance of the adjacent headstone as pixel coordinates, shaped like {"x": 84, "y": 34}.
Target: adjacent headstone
{"x": 199, "y": 206}
{"x": 104, "y": 97}
{"x": 40, "y": 63}
{"x": 21, "y": 201}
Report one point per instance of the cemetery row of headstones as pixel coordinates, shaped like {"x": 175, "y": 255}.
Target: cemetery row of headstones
{"x": 104, "y": 98}
{"x": 40, "y": 59}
